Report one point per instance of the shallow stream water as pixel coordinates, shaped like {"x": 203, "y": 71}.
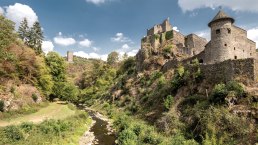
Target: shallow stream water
{"x": 102, "y": 135}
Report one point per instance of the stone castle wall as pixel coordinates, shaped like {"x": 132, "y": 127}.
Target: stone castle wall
{"x": 243, "y": 70}
{"x": 194, "y": 44}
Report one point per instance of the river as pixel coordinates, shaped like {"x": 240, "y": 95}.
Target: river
{"x": 100, "y": 130}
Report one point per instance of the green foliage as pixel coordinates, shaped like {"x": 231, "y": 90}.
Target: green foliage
{"x": 113, "y": 58}
{"x": 7, "y": 35}
{"x": 169, "y": 35}
{"x": 57, "y": 66}
{"x": 23, "y": 31}
{"x": 14, "y": 133}
{"x": 179, "y": 78}
{"x": 47, "y": 132}
{"x": 32, "y": 37}
{"x": 66, "y": 91}
{"x": 1, "y": 106}
{"x": 156, "y": 36}
{"x": 128, "y": 66}
{"x": 127, "y": 137}
{"x": 36, "y": 37}
{"x": 168, "y": 49}
{"x": 220, "y": 91}
{"x": 34, "y": 97}
{"x": 168, "y": 101}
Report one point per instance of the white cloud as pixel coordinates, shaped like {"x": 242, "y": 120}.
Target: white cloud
{"x": 18, "y": 12}
{"x": 1, "y": 10}
{"x": 235, "y": 5}
{"x": 47, "y": 46}
{"x": 85, "y": 43}
{"x": 175, "y": 28}
{"x": 125, "y": 46}
{"x": 64, "y": 41}
{"x": 205, "y": 34}
{"x": 95, "y": 49}
{"x": 253, "y": 34}
{"x": 132, "y": 52}
{"x": 120, "y": 38}
{"x": 96, "y": 2}
{"x": 91, "y": 55}
{"x": 60, "y": 33}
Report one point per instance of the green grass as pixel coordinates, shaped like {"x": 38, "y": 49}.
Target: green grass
{"x": 54, "y": 132}
{"x": 55, "y": 110}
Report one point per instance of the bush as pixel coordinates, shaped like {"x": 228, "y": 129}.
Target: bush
{"x": 127, "y": 137}
{"x": 168, "y": 102}
{"x": 169, "y": 35}
{"x": 236, "y": 87}
{"x": 13, "y": 133}
{"x": 27, "y": 126}
{"x": 1, "y": 105}
{"x": 219, "y": 93}
{"x": 168, "y": 49}
{"x": 34, "y": 97}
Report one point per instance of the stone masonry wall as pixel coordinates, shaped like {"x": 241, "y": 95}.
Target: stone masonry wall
{"x": 243, "y": 70}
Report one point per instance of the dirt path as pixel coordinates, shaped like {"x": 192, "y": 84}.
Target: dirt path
{"x": 52, "y": 111}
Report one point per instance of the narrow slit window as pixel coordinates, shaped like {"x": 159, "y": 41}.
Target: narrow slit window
{"x": 235, "y": 57}
{"x": 229, "y": 31}
{"x": 250, "y": 54}
{"x": 234, "y": 48}
{"x": 225, "y": 45}
{"x": 218, "y": 31}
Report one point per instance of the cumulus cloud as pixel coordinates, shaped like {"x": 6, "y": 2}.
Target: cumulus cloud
{"x": 47, "y": 46}
{"x": 91, "y": 55}
{"x": 1, "y": 10}
{"x": 64, "y": 41}
{"x": 253, "y": 34}
{"x": 96, "y": 2}
{"x": 125, "y": 46}
{"x": 85, "y": 43}
{"x": 18, "y": 12}
{"x": 204, "y": 33}
{"x": 133, "y": 52}
{"x": 236, "y": 5}
{"x": 175, "y": 28}
{"x": 120, "y": 38}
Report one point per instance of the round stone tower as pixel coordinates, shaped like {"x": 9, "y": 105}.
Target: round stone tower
{"x": 220, "y": 44}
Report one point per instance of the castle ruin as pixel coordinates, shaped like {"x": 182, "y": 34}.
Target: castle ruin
{"x": 229, "y": 46}
{"x": 69, "y": 56}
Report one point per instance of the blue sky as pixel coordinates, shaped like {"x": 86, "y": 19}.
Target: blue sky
{"x": 94, "y": 28}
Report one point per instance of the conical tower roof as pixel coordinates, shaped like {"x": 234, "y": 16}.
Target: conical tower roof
{"x": 221, "y": 16}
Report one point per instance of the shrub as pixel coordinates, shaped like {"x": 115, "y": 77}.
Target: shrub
{"x": 168, "y": 49}
{"x": 13, "y": 133}
{"x": 219, "y": 93}
{"x": 169, "y": 35}
{"x": 127, "y": 137}
{"x": 12, "y": 90}
{"x": 236, "y": 87}
{"x": 1, "y": 105}
{"x": 156, "y": 36}
{"x": 151, "y": 139}
{"x": 27, "y": 126}
{"x": 168, "y": 102}
{"x": 34, "y": 97}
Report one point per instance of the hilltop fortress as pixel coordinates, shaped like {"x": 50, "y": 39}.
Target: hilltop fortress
{"x": 228, "y": 55}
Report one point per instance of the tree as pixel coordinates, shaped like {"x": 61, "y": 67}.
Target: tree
{"x": 113, "y": 58}
{"x": 7, "y": 37}
{"x": 36, "y": 37}
{"x": 125, "y": 56}
{"x": 57, "y": 66}
{"x": 23, "y": 31}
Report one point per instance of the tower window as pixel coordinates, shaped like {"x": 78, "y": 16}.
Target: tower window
{"x": 229, "y": 30}
{"x": 225, "y": 45}
{"x": 250, "y": 54}
{"x": 243, "y": 50}
{"x": 218, "y": 31}
{"x": 234, "y": 48}
{"x": 235, "y": 57}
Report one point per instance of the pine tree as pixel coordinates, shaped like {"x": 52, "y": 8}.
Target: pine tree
{"x": 36, "y": 37}
{"x": 23, "y": 31}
